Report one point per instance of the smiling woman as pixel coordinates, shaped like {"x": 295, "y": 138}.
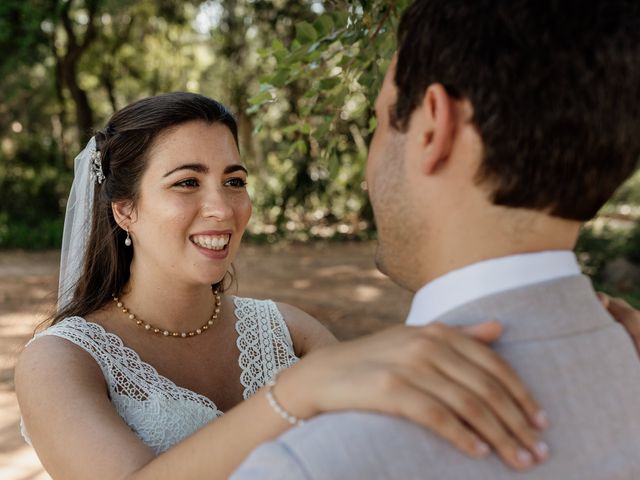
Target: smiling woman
{"x": 146, "y": 350}
{"x": 199, "y": 209}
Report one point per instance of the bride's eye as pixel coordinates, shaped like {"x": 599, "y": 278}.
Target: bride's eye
{"x": 236, "y": 182}
{"x": 188, "y": 183}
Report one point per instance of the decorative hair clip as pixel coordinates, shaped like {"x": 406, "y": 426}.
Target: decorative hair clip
{"x": 96, "y": 167}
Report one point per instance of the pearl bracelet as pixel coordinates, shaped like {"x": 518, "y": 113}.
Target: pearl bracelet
{"x": 279, "y": 409}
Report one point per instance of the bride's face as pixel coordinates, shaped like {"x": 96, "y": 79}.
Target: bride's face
{"x": 192, "y": 207}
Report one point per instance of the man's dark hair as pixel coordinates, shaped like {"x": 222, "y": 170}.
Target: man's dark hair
{"x": 554, "y": 86}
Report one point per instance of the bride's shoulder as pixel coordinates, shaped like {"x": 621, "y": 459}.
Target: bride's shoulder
{"x": 48, "y": 348}
{"x": 307, "y": 332}
{"x": 50, "y": 361}
{"x": 54, "y": 342}
{"x": 54, "y": 382}
{"x": 292, "y": 315}
{"x": 56, "y": 350}
{"x": 72, "y": 328}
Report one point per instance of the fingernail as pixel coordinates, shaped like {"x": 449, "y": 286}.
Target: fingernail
{"x": 482, "y": 449}
{"x": 524, "y": 457}
{"x": 541, "y": 420}
{"x": 542, "y": 450}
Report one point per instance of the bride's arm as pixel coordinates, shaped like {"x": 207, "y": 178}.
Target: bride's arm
{"x": 78, "y": 434}
{"x": 624, "y": 313}
{"x": 73, "y": 426}
{"x": 359, "y": 375}
{"x": 418, "y": 373}
{"x": 455, "y": 371}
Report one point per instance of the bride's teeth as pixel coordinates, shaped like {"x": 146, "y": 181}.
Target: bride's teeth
{"x": 211, "y": 242}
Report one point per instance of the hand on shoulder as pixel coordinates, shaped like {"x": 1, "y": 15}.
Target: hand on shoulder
{"x": 435, "y": 376}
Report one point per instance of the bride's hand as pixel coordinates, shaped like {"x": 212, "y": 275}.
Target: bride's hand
{"x": 437, "y": 376}
{"x": 624, "y": 313}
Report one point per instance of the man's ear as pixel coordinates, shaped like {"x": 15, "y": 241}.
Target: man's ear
{"x": 434, "y": 123}
{"x": 123, "y": 213}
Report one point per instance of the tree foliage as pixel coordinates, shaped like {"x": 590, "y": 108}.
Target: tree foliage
{"x": 55, "y": 55}
{"x": 301, "y": 76}
{"x": 314, "y": 111}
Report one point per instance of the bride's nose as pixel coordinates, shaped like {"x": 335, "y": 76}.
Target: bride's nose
{"x": 217, "y": 205}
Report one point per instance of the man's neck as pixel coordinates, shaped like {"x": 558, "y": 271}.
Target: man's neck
{"x": 502, "y": 233}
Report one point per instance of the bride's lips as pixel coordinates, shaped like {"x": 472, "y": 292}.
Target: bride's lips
{"x": 209, "y": 252}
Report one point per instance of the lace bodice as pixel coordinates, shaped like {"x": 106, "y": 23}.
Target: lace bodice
{"x": 160, "y": 412}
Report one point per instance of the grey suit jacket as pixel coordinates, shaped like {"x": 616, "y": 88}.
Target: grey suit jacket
{"x": 579, "y": 363}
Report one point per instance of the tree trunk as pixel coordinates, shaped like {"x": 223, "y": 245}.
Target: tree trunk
{"x": 84, "y": 114}
{"x": 62, "y": 112}
{"x": 68, "y": 65}
{"x": 107, "y": 83}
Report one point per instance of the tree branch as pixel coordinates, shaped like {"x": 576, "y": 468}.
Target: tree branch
{"x": 72, "y": 42}
{"x": 69, "y": 64}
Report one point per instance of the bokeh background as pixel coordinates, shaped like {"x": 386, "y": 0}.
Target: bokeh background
{"x": 301, "y": 77}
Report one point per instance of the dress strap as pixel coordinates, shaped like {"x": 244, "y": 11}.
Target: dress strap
{"x": 125, "y": 372}
{"x": 264, "y": 342}
{"x": 160, "y": 412}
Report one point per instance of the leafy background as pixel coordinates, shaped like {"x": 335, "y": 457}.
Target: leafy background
{"x": 301, "y": 77}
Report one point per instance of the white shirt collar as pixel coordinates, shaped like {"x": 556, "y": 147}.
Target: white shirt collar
{"x": 487, "y": 278}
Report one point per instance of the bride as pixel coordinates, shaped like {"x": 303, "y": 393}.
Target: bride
{"x": 146, "y": 350}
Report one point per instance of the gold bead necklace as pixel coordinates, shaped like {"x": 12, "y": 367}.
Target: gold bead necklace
{"x": 167, "y": 333}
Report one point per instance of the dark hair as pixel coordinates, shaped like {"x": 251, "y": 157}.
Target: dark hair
{"x": 554, "y": 86}
{"x": 124, "y": 144}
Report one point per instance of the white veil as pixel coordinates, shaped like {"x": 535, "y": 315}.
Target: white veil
{"x": 77, "y": 224}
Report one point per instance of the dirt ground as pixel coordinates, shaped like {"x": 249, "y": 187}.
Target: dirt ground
{"x": 335, "y": 282}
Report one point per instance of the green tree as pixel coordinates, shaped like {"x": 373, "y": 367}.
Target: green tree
{"x": 313, "y": 116}
{"x": 301, "y": 77}
{"x": 60, "y": 79}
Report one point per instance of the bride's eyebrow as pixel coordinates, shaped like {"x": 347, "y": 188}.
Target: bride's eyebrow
{"x": 235, "y": 168}
{"x": 195, "y": 167}
{"x": 200, "y": 168}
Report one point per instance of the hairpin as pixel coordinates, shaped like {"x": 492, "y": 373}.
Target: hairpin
{"x": 96, "y": 167}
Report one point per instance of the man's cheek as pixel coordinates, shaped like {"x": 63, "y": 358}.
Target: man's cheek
{"x": 371, "y": 163}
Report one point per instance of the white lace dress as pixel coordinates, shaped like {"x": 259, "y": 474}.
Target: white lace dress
{"x": 160, "y": 412}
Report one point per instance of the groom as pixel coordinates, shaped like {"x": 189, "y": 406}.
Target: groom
{"x": 502, "y": 126}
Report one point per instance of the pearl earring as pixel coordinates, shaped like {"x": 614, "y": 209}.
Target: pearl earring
{"x": 127, "y": 241}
